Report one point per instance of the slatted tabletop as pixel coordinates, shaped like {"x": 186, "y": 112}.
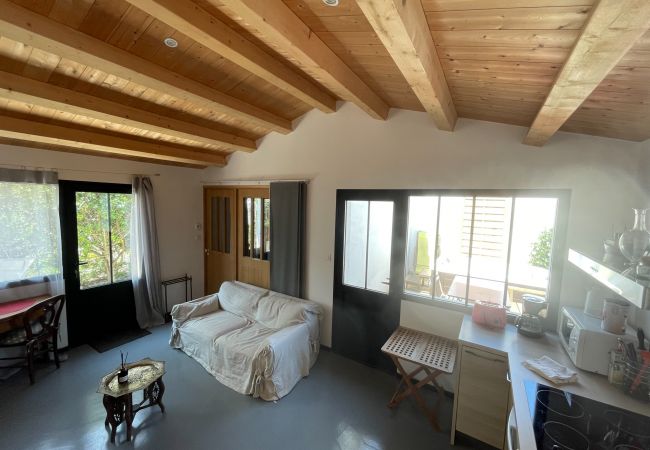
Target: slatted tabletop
{"x": 422, "y": 348}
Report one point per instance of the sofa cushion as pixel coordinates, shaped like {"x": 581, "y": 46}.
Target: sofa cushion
{"x": 235, "y": 352}
{"x": 204, "y": 330}
{"x": 240, "y": 298}
{"x": 279, "y": 311}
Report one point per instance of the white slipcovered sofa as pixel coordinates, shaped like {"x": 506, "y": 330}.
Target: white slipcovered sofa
{"x": 253, "y": 340}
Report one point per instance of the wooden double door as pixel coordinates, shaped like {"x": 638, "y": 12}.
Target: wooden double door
{"x": 237, "y": 236}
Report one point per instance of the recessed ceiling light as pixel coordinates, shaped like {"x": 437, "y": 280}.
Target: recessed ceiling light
{"x": 170, "y": 42}
{"x": 331, "y": 2}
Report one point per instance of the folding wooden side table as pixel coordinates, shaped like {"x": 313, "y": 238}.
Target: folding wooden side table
{"x": 432, "y": 354}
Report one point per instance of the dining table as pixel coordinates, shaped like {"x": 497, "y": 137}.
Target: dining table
{"x": 12, "y": 312}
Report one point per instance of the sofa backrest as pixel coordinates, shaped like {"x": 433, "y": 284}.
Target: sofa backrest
{"x": 278, "y": 310}
{"x": 239, "y": 298}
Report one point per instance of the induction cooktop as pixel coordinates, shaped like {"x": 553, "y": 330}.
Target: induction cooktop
{"x": 565, "y": 421}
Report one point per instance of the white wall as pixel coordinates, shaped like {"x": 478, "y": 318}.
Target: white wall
{"x": 348, "y": 149}
{"x": 178, "y": 195}
{"x": 351, "y": 150}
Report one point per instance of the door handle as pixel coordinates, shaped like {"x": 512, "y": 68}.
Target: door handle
{"x": 206, "y": 251}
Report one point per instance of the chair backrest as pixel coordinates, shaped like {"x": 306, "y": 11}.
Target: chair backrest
{"x": 47, "y": 312}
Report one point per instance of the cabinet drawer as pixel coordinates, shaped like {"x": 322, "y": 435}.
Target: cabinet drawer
{"x": 483, "y": 396}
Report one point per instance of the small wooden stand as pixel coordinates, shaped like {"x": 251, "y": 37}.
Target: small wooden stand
{"x": 432, "y": 354}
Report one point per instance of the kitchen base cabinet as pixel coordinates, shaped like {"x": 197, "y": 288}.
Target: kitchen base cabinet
{"x": 482, "y": 396}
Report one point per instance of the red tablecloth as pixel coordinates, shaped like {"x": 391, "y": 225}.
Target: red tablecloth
{"x": 17, "y": 305}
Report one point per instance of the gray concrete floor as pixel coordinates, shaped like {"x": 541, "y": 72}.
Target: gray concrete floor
{"x": 340, "y": 406}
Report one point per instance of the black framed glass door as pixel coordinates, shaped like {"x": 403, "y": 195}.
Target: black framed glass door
{"x": 95, "y": 227}
{"x": 367, "y": 273}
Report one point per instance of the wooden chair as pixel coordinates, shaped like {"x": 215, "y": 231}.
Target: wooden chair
{"x": 39, "y": 334}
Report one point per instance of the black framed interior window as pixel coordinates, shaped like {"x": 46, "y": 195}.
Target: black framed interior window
{"x": 490, "y": 246}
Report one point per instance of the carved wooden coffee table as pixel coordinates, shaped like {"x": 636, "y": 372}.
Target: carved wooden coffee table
{"x": 144, "y": 375}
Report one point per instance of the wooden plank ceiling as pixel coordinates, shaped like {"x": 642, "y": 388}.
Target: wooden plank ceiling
{"x": 93, "y": 76}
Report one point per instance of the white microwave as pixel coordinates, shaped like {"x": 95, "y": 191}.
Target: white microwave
{"x": 587, "y": 344}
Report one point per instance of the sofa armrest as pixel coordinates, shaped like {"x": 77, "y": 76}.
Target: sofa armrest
{"x": 291, "y": 353}
{"x": 198, "y": 307}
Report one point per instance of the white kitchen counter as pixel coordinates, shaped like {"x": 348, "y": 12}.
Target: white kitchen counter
{"x": 520, "y": 348}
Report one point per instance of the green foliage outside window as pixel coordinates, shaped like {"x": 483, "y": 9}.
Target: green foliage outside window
{"x": 29, "y": 226}
{"x": 103, "y": 238}
{"x": 540, "y": 255}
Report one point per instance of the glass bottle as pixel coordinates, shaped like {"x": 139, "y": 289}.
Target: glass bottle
{"x": 634, "y": 242}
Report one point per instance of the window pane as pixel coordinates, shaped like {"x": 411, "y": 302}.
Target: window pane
{"x": 267, "y": 228}
{"x": 215, "y": 244}
{"x": 257, "y": 235}
{"x": 453, "y": 244}
{"x": 355, "y": 243}
{"x": 421, "y": 246}
{"x": 530, "y": 255}
{"x": 93, "y": 241}
{"x": 120, "y": 235}
{"x": 220, "y": 224}
{"x": 29, "y": 229}
{"x": 224, "y": 224}
{"x": 380, "y": 238}
{"x": 489, "y": 248}
{"x": 246, "y": 226}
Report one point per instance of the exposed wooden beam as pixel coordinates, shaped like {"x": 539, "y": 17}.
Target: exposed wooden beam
{"x": 71, "y": 148}
{"x": 110, "y": 144}
{"x": 402, "y": 28}
{"x": 198, "y": 24}
{"x": 285, "y": 31}
{"x": 23, "y": 25}
{"x": 26, "y": 90}
{"x": 613, "y": 28}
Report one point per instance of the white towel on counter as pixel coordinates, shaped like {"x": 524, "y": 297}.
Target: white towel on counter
{"x": 551, "y": 370}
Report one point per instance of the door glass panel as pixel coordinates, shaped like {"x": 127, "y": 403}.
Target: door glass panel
{"x": 421, "y": 248}
{"x": 220, "y": 224}
{"x": 532, "y": 242}
{"x": 490, "y": 238}
{"x": 267, "y": 228}
{"x": 93, "y": 238}
{"x": 453, "y": 248}
{"x": 247, "y": 218}
{"x": 380, "y": 235}
{"x": 103, "y": 238}
{"x": 215, "y": 245}
{"x": 257, "y": 233}
{"x": 120, "y": 221}
{"x": 257, "y": 228}
{"x": 224, "y": 224}
{"x": 355, "y": 243}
